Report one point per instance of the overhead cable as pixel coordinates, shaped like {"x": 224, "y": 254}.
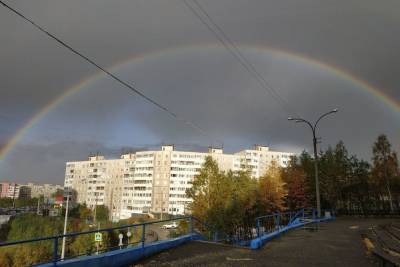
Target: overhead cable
{"x": 108, "y": 73}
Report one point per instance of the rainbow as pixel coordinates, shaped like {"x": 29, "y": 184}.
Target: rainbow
{"x": 336, "y": 71}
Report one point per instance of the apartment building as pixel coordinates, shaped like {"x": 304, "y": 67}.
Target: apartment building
{"x": 9, "y": 190}
{"x": 45, "y": 190}
{"x": 97, "y": 181}
{"x": 156, "y": 181}
{"x": 258, "y": 159}
{"x": 29, "y": 190}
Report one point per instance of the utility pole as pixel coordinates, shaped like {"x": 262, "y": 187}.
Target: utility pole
{"x": 95, "y": 209}
{"x": 65, "y": 227}
{"x": 38, "y": 206}
{"x": 313, "y": 129}
{"x": 15, "y": 187}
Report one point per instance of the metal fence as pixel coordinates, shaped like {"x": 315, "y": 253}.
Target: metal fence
{"x": 273, "y": 222}
{"x": 119, "y": 237}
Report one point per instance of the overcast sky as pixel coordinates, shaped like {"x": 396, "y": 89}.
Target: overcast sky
{"x": 178, "y": 62}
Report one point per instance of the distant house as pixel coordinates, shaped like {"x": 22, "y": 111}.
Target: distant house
{"x": 58, "y": 201}
{"x": 54, "y": 212}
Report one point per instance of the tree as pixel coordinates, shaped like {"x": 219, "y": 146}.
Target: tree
{"x": 80, "y": 211}
{"x": 335, "y": 170}
{"x": 385, "y": 171}
{"x": 272, "y": 190}
{"x": 306, "y": 164}
{"x": 83, "y": 244}
{"x": 296, "y": 185}
{"x": 202, "y": 191}
{"x": 102, "y": 213}
{"x": 357, "y": 190}
{"x": 27, "y": 226}
{"x": 59, "y": 193}
{"x": 224, "y": 200}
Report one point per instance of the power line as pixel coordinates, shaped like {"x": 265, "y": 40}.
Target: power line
{"x": 230, "y": 45}
{"x": 235, "y": 51}
{"x": 98, "y": 66}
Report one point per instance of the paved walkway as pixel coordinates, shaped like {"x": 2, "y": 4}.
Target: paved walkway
{"x": 336, "y": 243}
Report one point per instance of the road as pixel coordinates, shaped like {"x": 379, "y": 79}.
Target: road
{"x": 161, "y": 234}
{"x": 336, "y": 243}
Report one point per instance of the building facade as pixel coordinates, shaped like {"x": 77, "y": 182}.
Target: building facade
{"x": 45, "y": 190}
{"x": 29, "y": 190}
{"x": 156, "y": 181}
{"x": 9, "y": 190}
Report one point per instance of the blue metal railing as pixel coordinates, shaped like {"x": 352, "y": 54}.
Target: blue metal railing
{"x": 266, "y": 224}
{"x": 278, "y": 220}
{"x": 56, "y": 238}
{"x": 273, "y": 222}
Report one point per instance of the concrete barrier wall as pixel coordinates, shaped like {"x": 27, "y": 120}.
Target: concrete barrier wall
{"x": 124, "y": 257}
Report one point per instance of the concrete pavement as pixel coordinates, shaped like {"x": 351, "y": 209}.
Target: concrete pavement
{"x": 336, "y": 243}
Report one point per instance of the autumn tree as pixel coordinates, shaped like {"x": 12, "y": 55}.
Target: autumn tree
{"x": 272, "y": 190}
{"x": 27, "y": 226}
{"x": 227, "y": 201}
{"x": 209, "y": 192}
{"x": 241, "y": 206}
{"x": 295, "y": 181}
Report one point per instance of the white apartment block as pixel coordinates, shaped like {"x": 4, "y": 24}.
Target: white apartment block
{"x": 45, "y": 190}
{"x": 156, "y": 181}
{"x": 13, "y": 191}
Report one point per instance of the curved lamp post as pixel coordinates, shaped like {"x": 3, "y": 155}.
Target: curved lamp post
{"x": 314, "y": 128}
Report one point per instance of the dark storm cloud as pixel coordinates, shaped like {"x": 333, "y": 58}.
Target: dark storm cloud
{"x": 29, "y": 159}
{"x": 361, "y": 37}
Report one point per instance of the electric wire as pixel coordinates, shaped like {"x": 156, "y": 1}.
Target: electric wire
{"x": 108, "y": 73}
{"x": 227, "y": 42}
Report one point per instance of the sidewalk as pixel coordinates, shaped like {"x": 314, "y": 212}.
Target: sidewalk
{"x": 336, "y": 243}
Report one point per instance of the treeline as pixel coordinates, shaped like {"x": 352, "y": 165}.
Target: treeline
{"x": 230, "y": 201}
{"x": 18, "y": 202}
{"x": 354, "y": 186}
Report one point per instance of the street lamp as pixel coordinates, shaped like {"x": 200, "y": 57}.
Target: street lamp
{"x": 313, "y": 128}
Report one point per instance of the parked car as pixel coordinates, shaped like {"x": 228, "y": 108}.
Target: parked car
{"x": 173, "y": 225}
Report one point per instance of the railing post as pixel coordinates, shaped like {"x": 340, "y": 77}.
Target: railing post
{"x": 143, "y": 234}
{"x": 55, "y": 251}
{"x": 278, "y": 219}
